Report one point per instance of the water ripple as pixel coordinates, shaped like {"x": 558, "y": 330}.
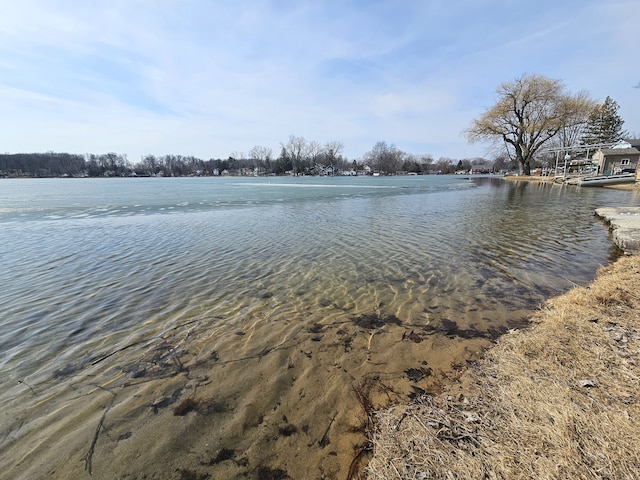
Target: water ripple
{"x": 253, "y": 263}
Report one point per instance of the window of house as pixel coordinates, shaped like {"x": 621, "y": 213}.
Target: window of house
{"x": 625, "y": 161}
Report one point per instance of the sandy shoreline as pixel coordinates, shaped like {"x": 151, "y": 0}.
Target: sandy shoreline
{"x": 556, "y": 400}
{"x": 189, "y": 405}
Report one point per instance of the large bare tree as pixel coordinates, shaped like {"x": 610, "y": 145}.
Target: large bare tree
{"x": 384, "y": 158}
{"x": 529, "y": 112}
{"x": 260, "y": 157}
{"x": 296, "y": 150}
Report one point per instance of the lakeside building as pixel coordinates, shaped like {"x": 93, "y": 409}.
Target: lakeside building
{"x": 618, "y": 159}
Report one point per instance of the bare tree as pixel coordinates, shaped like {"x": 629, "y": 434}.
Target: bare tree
{"x": 571, "y": 133}
{"x": 260, "y": 156}
{"x": 384, "y": 158}
{"x": 313, "y": 152}
{"x": 426, "y": 162}
{"x": 296, "y": 151}
{"x": 237, "y": 155}
{"x": 445, "y": 165}
{"x": 260, "y": 153}
{"x": 529, "y": 112}
{"x": 149, "y": 164}
{"x": 333, "y": 151}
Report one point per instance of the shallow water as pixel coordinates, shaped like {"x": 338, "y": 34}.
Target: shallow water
{"x": 265, "y": 301}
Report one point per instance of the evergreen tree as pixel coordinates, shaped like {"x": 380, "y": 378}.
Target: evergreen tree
{"x": 604, "y": 124}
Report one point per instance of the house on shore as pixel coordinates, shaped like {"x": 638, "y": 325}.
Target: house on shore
{"x": 624, "y": 157}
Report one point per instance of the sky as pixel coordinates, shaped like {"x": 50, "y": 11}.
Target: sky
{"x": 214, "y": 78}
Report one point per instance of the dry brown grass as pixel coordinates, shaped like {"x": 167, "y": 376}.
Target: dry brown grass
{"x": 558, "y": 400}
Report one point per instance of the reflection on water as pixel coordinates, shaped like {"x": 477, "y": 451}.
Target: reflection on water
{"x": 262, "y": 301}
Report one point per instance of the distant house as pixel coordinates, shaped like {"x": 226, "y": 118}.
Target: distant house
{"x": 622, "y": 157}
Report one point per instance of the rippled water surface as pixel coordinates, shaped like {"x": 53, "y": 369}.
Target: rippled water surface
{"x": 97, "y": 273}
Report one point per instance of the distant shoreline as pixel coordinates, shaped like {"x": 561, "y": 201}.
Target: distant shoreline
{"x": 549, "y": 179}
{"x": 529, "y": 178}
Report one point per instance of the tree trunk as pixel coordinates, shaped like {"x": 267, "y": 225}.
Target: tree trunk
{"x": 524, "y": 167}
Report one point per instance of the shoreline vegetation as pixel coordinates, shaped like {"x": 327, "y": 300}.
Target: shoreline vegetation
{"x": 558, "y": 399}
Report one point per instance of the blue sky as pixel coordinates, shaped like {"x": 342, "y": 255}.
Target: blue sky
{"x": 215, "y": 78}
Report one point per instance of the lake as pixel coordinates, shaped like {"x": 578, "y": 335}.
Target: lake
{"x": 229, "y": 327}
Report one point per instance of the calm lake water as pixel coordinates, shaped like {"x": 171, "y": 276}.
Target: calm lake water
{"x": 106, "y": 282}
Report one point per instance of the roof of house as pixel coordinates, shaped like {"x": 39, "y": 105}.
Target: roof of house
{"x": 634, "y": 142}
{"x": 620, "y": 151}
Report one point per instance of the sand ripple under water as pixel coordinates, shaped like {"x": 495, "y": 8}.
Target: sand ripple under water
{"x": 225, "y": 328}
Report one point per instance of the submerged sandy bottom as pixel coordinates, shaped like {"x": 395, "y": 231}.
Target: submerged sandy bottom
{"x": 244, "y": 341}
{"x": 188, "y": 405}
{"x": 556, "y": 400}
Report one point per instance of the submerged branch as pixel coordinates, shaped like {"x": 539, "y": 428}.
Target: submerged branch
{"x": 89, "y": 456}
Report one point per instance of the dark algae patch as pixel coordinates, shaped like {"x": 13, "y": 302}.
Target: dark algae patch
{"x": 223, "y": 455}
{"x": 288, "y": 430}
{"x": 413, "y": 336}
{"x": 417, "y": 374}
{"x": 184, "y": 407}
{"x": 450, "y": 328}
{"x": 375, "y": 320}
{"x": 267, "y": 473}
{"x": 191, "y": 475}
{"x": 206, "y": 406}
{"x": 316, "y": 328}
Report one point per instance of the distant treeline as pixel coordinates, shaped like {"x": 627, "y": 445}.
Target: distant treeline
{"x": 296, "y": 157}
{"x": 53, "y": 164}
{"x": 42, "y": 164}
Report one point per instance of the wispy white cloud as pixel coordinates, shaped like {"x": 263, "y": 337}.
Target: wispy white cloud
{"x": 208, "y": 78}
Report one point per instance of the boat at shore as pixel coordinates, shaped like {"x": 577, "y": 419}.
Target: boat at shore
{"x": 603, "y": 180}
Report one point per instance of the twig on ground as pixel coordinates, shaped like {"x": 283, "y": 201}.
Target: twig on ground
{"x": 22, "y": 382}
{"x": 324, "y": 441}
